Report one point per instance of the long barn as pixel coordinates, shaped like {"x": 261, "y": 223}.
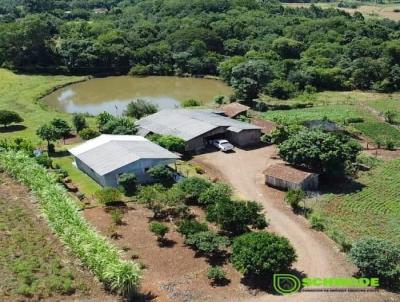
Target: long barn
{"x": 198, "y": 126}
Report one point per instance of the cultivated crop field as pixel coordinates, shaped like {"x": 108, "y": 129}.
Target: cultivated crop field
{"x": 33, "y": 264}
{"x": 374, "y": 210}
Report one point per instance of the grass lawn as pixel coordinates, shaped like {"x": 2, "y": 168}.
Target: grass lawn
{"x": 22, "y": 93}
{"x": 374, "y": 210}
{"x": 85, "y": 184}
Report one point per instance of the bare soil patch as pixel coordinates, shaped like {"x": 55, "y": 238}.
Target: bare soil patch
{"x": 173, "y": 272}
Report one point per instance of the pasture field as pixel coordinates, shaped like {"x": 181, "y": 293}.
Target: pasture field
{"x": 22, "y": 93}
{"x": 374, "y": 210}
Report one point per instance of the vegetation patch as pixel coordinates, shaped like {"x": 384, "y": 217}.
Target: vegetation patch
{"x": 373, "y": 210}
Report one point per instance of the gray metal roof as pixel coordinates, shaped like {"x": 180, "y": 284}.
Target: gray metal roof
{"x": 190, "y": 123}
{"x": 108, "y": 152}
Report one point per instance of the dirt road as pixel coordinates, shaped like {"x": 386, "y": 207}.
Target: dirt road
{"x": 318, "y": 256}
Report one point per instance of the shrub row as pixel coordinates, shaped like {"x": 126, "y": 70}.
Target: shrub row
{"x": 63, "y": 216}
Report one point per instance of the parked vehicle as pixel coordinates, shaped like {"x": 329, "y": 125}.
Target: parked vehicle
{"x": 223, "y": 145}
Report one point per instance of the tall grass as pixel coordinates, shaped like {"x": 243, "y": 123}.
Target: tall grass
{"x": 63, "y": 216}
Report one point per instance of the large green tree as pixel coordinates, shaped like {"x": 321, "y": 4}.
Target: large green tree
{"x": 321, "y": 152}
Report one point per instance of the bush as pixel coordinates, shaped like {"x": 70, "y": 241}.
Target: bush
{"x": 390, "y": 116}
{"x": 377, "y": 258}
{"x": 293, "y": 197}
{"x": 128, "y": 182}
{"x": 107, "y": 196}
{"x": 191, "y": 226}
{"x": 158, "y": 229}
{"x": 216, "y": 275}
{"x": 44, "y": 160}
{"x": 218, "y": 192}
{"x": 354, "y": 120}
{"x": 162, "y": 175}
{"x": 190, "y": 103}
{"x": 140, "y": 108}
{"x": 9, "y": 117}
{"x": 147, "y": 194}
{"x": 169, "y": 142}
{"x": 207, "y": 242}
{"x": 88, "y": 133}
{"x": 262, "y": 254}
{"x": 236, "y": 216}
{"x": 121, "y": 126}
{"x": 317, "y": 222}
{"x": 193, "y": 187}
{"x": 389, "y": 144}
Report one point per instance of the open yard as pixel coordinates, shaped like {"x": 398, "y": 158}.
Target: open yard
{"x": 33, "y": 264}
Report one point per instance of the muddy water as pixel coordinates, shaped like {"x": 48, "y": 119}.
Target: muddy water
{"x": 112, "y": 94}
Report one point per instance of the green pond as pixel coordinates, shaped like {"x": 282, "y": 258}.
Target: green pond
{"x": 112, "y": 94}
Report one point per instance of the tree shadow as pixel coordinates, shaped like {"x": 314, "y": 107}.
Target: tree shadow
{"x": 264, "y": 283}
{"x": 166, "y": 243}
{"x": 61, "y": 153}
{"x": 340, "y": 186}
{"x": 143, "y": 297}
{"x": 12, "y": 128}
{"x": 217, "y": 259}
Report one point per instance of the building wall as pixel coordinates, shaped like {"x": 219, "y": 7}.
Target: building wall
{"x": 310, "y": 183}
{"x": 244, "y": 137}
{"x": 139, "y": 168}
{"x": 111, "y": 179}
{"x": 83, "y": 167}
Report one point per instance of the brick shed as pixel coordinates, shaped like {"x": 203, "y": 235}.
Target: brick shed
{"x": 284, "y": 176}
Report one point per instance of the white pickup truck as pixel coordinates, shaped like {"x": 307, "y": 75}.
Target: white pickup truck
{"x": 223, "y": 145}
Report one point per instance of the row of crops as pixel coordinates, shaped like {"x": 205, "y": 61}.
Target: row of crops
{"x": 374, "y": 210}
{"x": 62, "y": 213}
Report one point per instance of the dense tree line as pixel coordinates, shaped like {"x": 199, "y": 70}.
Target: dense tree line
{"x": 256, "y": 46}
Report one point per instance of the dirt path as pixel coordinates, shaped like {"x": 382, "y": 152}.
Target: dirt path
{"x": 318, "y": 256}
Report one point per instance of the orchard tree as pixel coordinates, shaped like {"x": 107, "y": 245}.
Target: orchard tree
{"x": 207, "y": 242}
{"x": 48, "y": 133}
{"x": 321, "y": 152}
{"x": 79, "y": 121}
{"x": 103, "y": 118}
{"x": 236, "y": 216}
{"x": 9, "y": 117}
{"x": 262, "y": 253}
{"x": 377, "y": 258}
{"x": 62, "y": 127}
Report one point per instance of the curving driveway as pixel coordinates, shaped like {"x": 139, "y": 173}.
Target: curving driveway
{"x": 318, "y": 256}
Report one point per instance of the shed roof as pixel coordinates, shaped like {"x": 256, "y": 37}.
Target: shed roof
{"x": 287, "y": 173}
{"x": 107, "y": 153}
{"x": 266, "y": 126}
{"x": 323, "y": 124}
{"x": 234, "y": 109}
{"x": 190, "y": 123}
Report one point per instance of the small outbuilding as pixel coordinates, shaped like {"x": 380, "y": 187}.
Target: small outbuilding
{"x": 235, "y": 109}
{"x": 284, "y": 176}
{"x": 106, "y": 157}
{"x": 324, "y": 125}
{"x": 197, "y": 127}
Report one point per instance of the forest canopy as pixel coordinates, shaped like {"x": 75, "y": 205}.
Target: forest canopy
{"x": 256, "y": 46}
